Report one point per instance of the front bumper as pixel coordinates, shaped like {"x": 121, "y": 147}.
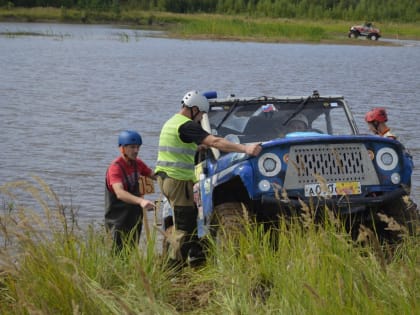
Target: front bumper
{"x": 342, "y": 204}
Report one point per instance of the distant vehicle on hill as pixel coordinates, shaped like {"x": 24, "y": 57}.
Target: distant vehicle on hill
{"x": 366, "y": 29}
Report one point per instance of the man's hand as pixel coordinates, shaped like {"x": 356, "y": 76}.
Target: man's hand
{"x": 253, "y": 149}
{"x": 147, "y": 204}
{"x": 202, "y": 147}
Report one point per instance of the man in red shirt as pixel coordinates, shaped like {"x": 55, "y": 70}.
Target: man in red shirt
{"x": 123, "y": 203}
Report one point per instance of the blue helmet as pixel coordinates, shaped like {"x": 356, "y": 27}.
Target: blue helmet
{"x": 129, "y": 137}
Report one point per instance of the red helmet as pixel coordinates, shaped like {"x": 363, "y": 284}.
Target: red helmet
{"x": 377, "y": 114}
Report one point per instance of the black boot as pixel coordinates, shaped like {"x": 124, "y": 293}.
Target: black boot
{"x": 196, "y": 256}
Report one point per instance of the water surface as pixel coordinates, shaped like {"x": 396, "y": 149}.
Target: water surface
{"x": 66, "y": 95}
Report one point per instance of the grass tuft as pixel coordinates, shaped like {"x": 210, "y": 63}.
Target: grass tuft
{"x": 49, "y": 265}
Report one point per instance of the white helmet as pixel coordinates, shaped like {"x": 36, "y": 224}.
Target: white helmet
{"x": 194, "y": 98}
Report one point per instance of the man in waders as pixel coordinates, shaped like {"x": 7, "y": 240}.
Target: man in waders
{"x": 179, "y": 139}
{"x": 123, "y": 203}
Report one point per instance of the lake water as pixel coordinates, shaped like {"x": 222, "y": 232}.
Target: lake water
{"x": 66, "y": 95}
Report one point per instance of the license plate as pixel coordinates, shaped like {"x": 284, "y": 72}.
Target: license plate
{"x": 333, "y": 189}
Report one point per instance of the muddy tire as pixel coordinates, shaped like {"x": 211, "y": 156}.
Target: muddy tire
{"x": 228, "y": 223}
{"x": 401, "y": 218}
{"x": 353, "y": 35}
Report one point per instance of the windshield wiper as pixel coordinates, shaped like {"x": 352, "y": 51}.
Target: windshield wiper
{"x": 301, "y": 106}
{"x": 227, "y": 115}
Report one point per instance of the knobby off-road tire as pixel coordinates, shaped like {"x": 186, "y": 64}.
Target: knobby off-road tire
{"x": 228, "y": 224}
{"x": 405, "y": 213}
{"x": 353, "y": 35}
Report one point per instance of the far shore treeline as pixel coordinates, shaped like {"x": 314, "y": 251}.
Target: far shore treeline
{"x": 363, "y": 10}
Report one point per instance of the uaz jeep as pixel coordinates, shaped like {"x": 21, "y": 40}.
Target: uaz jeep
{"x": 312, "y": 153}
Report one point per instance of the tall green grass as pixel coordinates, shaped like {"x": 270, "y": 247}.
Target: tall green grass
{"x": 315, "y": 271}
{"x": 227, "y": 28}
{"x": 48, "y": 265}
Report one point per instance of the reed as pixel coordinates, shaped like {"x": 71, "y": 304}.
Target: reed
{"x": 49, "y": 265}
{"x": 259, "y": 30}
{"x": 313, "y": 269}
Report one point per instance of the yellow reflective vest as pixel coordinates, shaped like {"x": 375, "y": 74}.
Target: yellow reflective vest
{"x": 175, "y": 157}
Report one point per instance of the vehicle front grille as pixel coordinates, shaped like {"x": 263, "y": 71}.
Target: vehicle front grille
{"x": 308, "y": 164}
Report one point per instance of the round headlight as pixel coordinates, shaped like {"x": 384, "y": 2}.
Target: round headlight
{"x": 269, "y": 164}
{"x": 264, "y": 185}
{"x": 387, "y": 159}
{"x": 395, "y": 178}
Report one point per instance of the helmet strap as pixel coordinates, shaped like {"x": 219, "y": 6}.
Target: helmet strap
{"x": 376, "y": 125}
{"x": 192, "y": 113}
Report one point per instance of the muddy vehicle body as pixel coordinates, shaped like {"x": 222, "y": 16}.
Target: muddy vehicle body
{"x": 366, "y": 30}
{"x": 324, "y": 162}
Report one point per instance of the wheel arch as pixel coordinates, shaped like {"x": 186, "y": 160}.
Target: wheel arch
{"x": 233, "y": 190}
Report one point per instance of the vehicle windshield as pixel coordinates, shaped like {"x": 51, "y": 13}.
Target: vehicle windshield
{"x": 263, "y": 121}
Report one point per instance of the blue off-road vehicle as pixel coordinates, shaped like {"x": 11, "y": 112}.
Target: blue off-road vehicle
{"x": 312, "y": 154}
